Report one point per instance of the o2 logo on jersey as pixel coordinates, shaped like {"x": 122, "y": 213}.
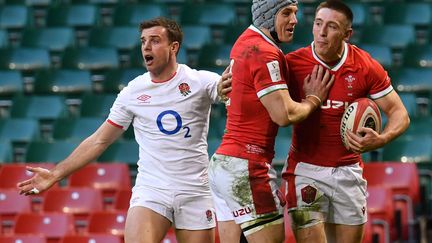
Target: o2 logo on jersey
{"x": 177, "y": 128}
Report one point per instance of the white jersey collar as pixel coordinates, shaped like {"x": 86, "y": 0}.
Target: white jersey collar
{"x": 255, "y": 29}
{"x": 338, "y": 65}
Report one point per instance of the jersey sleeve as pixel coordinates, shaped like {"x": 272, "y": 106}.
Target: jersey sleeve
{"x": 211, "y": 80}
{"x": 379, "y": 80}
{"x": 268, "y": 73}
{"x": 119, "y": 115}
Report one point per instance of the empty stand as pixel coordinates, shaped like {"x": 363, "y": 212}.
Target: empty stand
{"x": 97, "y": 105}
{"x": 53, "y": 225}
{"x": 209, "y": 14}
{"x": 6, "y": 152}
{"x": 41, "y": 151}
{"x": 413, "y": 79}
{"x": 403, "y": 180}
{"x": 122, "y": 151}
{"x": 214, "y": 56}
{"x": 12, "y": 204}
{"x": 92, "y": 238}
{"x": 381, "y": 53}
{"x": 75, "y": 15}
{"x": 11, "y": 82}
{"x": 133, "y": 14}
{"x": 409, "y": 148}
{"x": 418, "y": 56}
{"x": 63, "y": 81}
{"x": 24, "y": 238}
{"x": 13, "y": 16}
{"x": 76, "y": 129}
{"x": 122, "y": 198}
{"x": 120, "y": 37}
{"x": 54, "y": 107}
{"x": 108, "y": 222}
{"x": 385, "y": 35}
{"x": 79, "y": 202}
{"x": 55, "y": 39}
{"x": 91, "y": 58}
{"x": 380, "y": 209}
{"x": 24, "y": 58}
{"x": 117, "y": 79}
{"x": 107, "y": 177}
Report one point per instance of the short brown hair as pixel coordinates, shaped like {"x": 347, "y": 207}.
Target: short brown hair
{"x": 337, "y": 6}
{"x": 174, "y": 31}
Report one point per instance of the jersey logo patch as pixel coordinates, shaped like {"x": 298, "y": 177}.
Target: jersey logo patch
{"x": 144, "y": 98}
{"x": 308, "y": 194}
{"x": 184, "y": 89}
{"x": 274, "y": 71}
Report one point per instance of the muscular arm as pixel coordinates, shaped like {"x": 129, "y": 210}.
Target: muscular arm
{"x": 284, "y": 110}
{"x": 85, "y": 153}
{"x": 397, "y": 122}
{"x": 397, "y": 116}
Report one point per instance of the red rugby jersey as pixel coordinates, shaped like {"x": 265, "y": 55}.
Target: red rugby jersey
{"x": 317, "y": 140}
{"x": 258, "y": 68}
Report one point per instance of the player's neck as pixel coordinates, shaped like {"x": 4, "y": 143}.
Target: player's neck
{"x": 164, "y": 74}
{"x": 332, "y": 59}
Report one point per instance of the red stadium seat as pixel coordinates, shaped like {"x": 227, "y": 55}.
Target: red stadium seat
{"x": 108, "y": 177}
{"x": 122, "y": 198}
{"x": 403, "y": 180}
{"x": 107, "y": 222}
{"x": 92, "y": 238}
{"x": 11, "y": 204}
{"x": 53, "y": 225}
{"x": 16, "y": 238}
{"x": 11, "y": 174}
{"x": 80, "y": 202}
{"x": 381, "y": 212}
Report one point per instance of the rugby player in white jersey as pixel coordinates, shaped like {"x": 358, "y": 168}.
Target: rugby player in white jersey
{"x": 169, "y": 107}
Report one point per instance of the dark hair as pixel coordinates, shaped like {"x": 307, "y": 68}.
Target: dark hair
{"x": 337, "y": 6}
{"x": 174, "y": 31}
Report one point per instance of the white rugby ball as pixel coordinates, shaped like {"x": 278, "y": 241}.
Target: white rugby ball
{"x": 362, "y": 112}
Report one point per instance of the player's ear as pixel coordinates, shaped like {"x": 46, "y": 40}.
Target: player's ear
{"x": 175, "y": 46}
{"x": 348, "y": 34}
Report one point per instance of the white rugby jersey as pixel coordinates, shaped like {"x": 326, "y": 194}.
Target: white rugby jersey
{"x": 171, "y": 121}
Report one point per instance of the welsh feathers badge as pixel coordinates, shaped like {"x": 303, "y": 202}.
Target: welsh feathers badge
{"x": 184, "y": 89}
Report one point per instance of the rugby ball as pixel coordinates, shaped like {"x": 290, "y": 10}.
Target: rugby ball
{"x": 362, "y": 112}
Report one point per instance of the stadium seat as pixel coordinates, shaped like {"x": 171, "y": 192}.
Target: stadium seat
{"x": 55, "y": 39}
{"x": 91, "y": 238}
{"x": 133, "y": 14}
{"x": 122, "y": 199}
{"x": 4, "y": 39}
{"x": 195, "y": 36}
{"x": 381, "y": 53}
{"x": 106, "y": 177}
{"x": 385, "y": 35}
{"x": 213, "y": 145}
{"x": 11, "y": 82}
{"x": 54, "y": 107}
{"x": 121, "y": 151}
{"x": 6, "y": 154}
{"x": 120, "y": 37}
{"x": 413, "y": 80}
{"x": 380, "y": 209}
{"x": 403, "y": 180}
{"x": 19, "y": 130}
{"x": 79, "y": 15}
{"x": 62, "y": 81}
{"x": 24, "y": 59}
{"x": 77, "y": 201}
{"x": 418, "y": 56}
{"x": 214, "y": 56}
{"x": 107, "y": 222}
{"x": 360, "y": 12}
{"x": 282, "y": 146}
{"x": 417, "y": 14}
{"x": 53, "y": 225}
{"x": 11, "y": 174}
{"x": 90, "y": 58}
{"x": 209, "y": 14}
{"x": 24, "y": 238}
{"x": 303, "y": 34}
{"x": 410, "y": 102}
{"x": 53, "y": 152}
{"x": 13, "y": 16}
{"x": 76, "y": 129}
{"x": 12, "y": 204}
{"x": 117, "y": 79}
{"x": 409, "y": 148}
{"x": 97, "y": 105}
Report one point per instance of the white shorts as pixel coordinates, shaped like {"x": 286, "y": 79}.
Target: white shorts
{"x": 326, "y": 194}
{"x": 187, "y": 209}
{"x": 245, "y": 191}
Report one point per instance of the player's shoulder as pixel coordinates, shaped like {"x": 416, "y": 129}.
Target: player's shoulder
{"x": 189, "y": 73}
